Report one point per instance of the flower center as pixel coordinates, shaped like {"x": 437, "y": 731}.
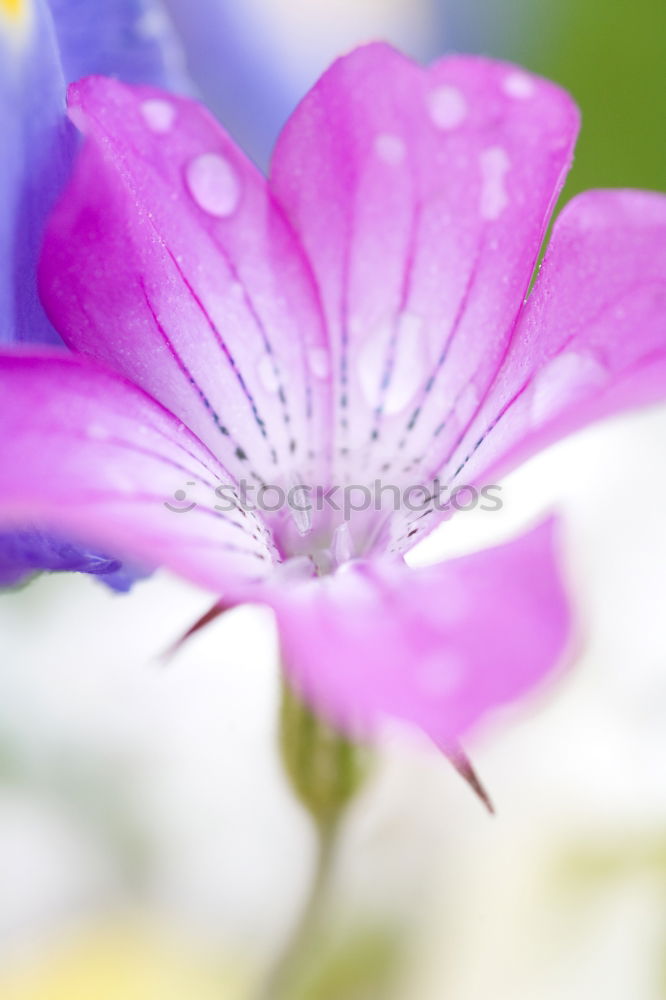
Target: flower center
{"x": 328, "y": 527}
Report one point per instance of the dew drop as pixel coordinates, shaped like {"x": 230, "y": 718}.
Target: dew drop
{"x": 409, "y": 364}
{"x": 467, "y": 402}
{"x": 356, "y": 326}
{"x": 447, "y": 107}
{"x": 371, "y": 361}
{"x": 319, "y": 362}
{"x": 495, "y": 164}
{"x": 454, "y": 608}
{"x": 152, "y": 24}
{"x": 213, "y": 184}
{"x": 120, "y": 481}
{"x": 441, "y": 674}
{"x": 390, "y": 148}
{"x": 563, "y": 380}
{"x": 98, "y": 433}
{"x": 268, "y": 375}
{"x": 518, "y": 85}
{"x": 159, "y": 115}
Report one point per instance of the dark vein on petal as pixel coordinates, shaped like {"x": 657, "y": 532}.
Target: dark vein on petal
{"x": 592, "y": 321}
{"x": 224, "y": 347}
{"x": 99, "y": 496}
{"x": 171, "y": 438}
{"x": 405, "y": 291}
{"x": 240, "y": 452}
{"x": 443, "y": 355}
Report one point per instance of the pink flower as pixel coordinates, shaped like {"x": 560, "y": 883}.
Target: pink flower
{"x": 361, "y": 316}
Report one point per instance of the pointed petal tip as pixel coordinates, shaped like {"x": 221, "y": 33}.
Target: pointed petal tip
{"x": 466, "y": 770}
{"x": 214, "y": 612}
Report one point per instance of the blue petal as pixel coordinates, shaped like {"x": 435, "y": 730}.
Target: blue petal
{"x": 130, "y": 39}
{"x": 23, "y": 553}
{"x": 41, "y": 48}
{"x": 237, "y": 70}
{"x": 38, "y": 146}
{"x": 252, "y": 79}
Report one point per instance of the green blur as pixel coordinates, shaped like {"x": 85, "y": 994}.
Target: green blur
{"x": 611, "y": 56}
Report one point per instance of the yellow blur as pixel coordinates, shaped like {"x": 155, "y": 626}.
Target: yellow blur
{"x": 119, "y": 964}
{"x": 14, "y": 9}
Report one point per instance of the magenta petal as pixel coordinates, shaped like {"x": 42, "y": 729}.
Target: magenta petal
{"x": 592, "y": 338}
{"x": 590, "y": 341}
{"x": 436, "y": 647}
{"x": 167, "y": 261}
{"x": 85, "y": 453}
{"x": 421, "y": 196}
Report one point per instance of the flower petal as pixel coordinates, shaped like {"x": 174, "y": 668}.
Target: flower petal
{"x": 436, "y": 647}
{"x": 421, "y": 196}
{"x": 591, "y": 340}
{"x": 85, "y": 453}
{"x": 167, "y": 261}
{"x": 38, "y": 144}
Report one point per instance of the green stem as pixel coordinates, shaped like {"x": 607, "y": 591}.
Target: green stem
{"x": 325, "y": 770}
{"x": 305, "y": 933}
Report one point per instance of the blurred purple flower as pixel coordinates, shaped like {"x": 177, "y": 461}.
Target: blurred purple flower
{"x": 252, "y": 61}
{"x": 360, "y": 317}
{"x": 43, "y": 45}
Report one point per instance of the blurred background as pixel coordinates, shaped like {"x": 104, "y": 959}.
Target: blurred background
{"x": 149, "y": 846}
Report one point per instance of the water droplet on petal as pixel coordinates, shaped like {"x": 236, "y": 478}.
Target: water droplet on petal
{"x": 455, "y": 605}
{"x": 408, "y": 371}
{"x": 518, "y": 85}
{"x": 268, "y": 375}
{"x": 318, "y": 361}
{"x": 568, "y": 377}
{"x": 158, "y": 114}
{"x": 372, "y": 361}
{"x": 98, "y": 433}
{"x": 356, "y": 326}
{"x": 214, "y": 184}
{"x": 495, "y": 164}
{"x": 390, "y": 148}
{"x": 447, "y": 107}
{"x": 120, "y": 481}
{"x": 405, "y": 366}
{"x": 467, "y": 402}
{"x": 441, "y": 674}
